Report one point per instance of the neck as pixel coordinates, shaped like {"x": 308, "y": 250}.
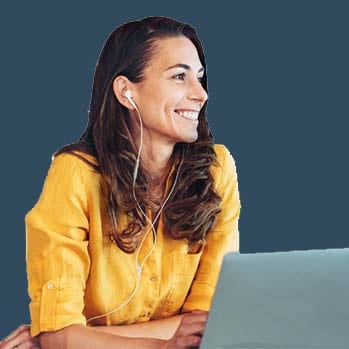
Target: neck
{"x": 156, "y": 152}
{"x": 156, "y": 160}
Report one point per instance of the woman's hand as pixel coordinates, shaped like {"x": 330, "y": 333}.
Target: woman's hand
{"x": 20, "y": 339}
{"x": 189, "y": 331}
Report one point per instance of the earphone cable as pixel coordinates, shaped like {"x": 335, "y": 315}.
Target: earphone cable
{"x": 139, "y": 266}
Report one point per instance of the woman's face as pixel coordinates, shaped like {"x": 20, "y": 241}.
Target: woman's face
{"x": 171, "y": 95}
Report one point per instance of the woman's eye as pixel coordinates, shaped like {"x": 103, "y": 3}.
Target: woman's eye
{"x": 179, "y": 76}
{"x": 182, "y": 76}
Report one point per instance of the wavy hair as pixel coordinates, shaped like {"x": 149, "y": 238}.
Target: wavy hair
{"x": 190, "y": 212}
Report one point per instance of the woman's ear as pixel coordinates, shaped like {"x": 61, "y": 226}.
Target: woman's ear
{"x": 120, "y": 85}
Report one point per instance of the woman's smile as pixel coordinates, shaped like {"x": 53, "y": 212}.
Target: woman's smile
{"x": 189, "y": 115}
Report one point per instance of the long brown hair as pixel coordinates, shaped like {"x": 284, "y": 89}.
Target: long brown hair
{"x": 190, "y": 211}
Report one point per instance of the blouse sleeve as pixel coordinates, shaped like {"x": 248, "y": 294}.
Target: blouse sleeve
{"x": 222, "y": 239}
{"x": 57, "y": 248}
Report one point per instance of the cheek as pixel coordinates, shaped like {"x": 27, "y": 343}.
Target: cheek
{"x": 161, "y": 100}
{"x": 166, "y": 106}
{"x": 174, "y": 101}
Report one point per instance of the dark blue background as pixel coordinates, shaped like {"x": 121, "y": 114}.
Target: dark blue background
{"x": 278, "y": 90}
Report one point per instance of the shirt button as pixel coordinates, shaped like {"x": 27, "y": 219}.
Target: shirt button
{"x": 153, "y": 278}
{"x": 50, "y": 286}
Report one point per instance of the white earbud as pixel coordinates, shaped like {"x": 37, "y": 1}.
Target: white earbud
{"x": 128, "y": 94}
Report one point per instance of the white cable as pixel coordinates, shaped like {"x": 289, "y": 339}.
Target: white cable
{"x": 139, "y": 267}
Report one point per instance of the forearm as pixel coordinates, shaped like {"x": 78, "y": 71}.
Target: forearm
{"x": 162, "y": 329}
{"x": 82, "y": 337}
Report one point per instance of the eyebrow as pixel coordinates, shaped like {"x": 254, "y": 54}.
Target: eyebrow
{"x": 184, "y": 66}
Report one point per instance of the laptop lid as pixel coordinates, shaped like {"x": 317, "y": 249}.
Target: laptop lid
{"x": 297, "y": 299}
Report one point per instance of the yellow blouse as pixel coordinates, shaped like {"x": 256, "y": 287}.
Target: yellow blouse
{"x": 75, "y": 272}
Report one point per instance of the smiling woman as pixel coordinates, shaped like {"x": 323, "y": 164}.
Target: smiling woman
{"x": 125, "y": 243}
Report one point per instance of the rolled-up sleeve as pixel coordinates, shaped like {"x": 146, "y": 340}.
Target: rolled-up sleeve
{"x": 222, "y": 239}
{"x": 57, "y": 255}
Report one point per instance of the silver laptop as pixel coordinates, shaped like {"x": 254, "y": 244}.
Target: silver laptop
{"x": 293, "y": 300}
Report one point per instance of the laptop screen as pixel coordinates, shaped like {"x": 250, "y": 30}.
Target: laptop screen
{"x": 297, "y": 299}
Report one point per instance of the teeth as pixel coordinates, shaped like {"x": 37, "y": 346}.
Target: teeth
{"x": 188, "y": 114}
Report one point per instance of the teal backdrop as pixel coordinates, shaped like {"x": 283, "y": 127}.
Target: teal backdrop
{"x": 278, "y": 98}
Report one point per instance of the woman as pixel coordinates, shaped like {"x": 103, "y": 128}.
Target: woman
{"x": 126, "y": 241}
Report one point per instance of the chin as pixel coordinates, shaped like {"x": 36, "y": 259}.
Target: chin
{"x": 190, "y": 139}
{"x": 190, "y": 136}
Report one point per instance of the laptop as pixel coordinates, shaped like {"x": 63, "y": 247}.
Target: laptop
{"x": 293, "y": 300}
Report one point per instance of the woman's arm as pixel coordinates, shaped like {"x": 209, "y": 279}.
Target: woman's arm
{"x": 187, "y": 332}
{"x": 78, "y": 336}
{"x": 82, "y": 337}
{"x": 162, "y": 329}
{"x": 177, "y": 332}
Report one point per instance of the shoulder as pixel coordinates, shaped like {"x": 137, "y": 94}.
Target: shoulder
{"x": 74, "y": 157}
{"x": 73, "y": 169}
{"x": 222, "y": 154}
{"x": 224, "y": 171}
{"x": 225, "y": 162}
{"x": 74, "y": 161}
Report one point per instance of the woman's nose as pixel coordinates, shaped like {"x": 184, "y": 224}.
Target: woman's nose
{"x": 197, "y": 92}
